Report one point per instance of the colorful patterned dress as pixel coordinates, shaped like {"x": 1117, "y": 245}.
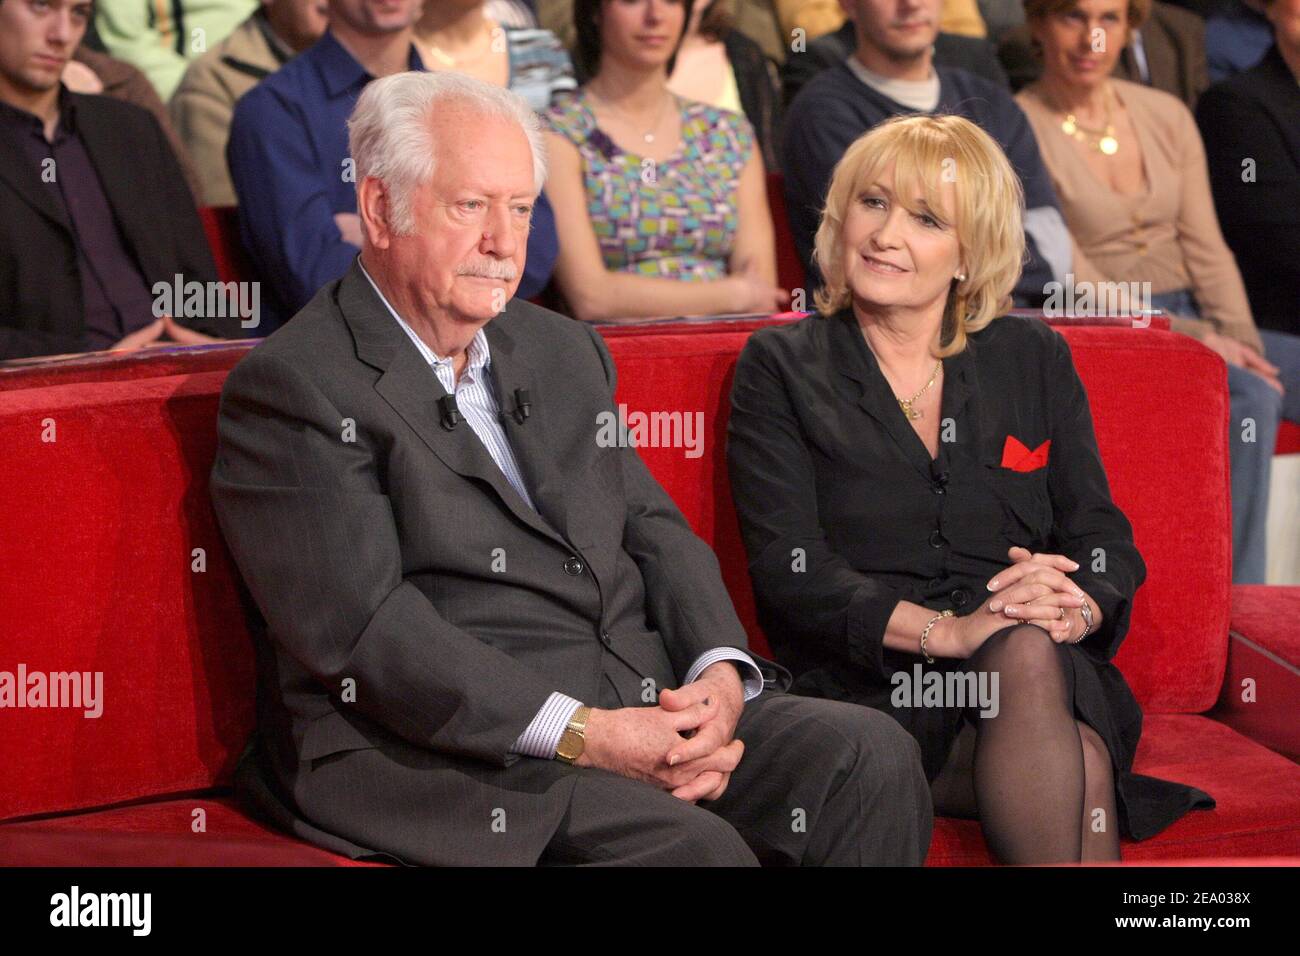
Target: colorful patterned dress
{"x": 673, "y": 219}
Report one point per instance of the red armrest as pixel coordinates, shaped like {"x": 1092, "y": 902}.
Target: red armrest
{"x": 1262, "y": 683}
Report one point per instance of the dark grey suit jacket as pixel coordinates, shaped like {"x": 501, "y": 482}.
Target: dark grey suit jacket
{"x": 397, "y": 661}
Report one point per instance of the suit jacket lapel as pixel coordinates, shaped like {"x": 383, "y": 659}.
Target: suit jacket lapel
{"x": 528, "y": 438}
{"x": 410, "y": 386}
{"x": 120, "y": 181}
{"x": 16, "y": 170}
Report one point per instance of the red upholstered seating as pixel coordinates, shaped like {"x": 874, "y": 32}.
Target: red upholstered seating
{"x": 1288, "y": 439}
{"x": 113, "y": 563}
{"x": 221, "y": 224}
{"x": 789, "y": 270}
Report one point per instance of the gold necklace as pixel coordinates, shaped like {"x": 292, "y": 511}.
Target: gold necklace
{"x": 1103, "y": 140}
{"x": 906, "y": 403}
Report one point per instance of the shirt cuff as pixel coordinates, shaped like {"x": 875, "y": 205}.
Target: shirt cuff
{"x": 749, "y": 672}
{"x": 541, "y": 737}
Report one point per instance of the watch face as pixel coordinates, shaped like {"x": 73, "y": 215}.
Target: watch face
{"x": 570, "y": 745}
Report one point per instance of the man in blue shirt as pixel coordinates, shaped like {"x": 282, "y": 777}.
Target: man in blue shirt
{"x": 288, "y": 158}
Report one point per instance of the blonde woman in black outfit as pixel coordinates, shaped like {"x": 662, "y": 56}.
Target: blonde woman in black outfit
{"x": 919, "y": 490}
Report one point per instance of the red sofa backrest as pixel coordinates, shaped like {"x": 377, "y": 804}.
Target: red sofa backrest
{"x": 111, "y": 560}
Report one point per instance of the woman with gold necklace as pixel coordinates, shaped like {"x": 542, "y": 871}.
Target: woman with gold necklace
{"x": 1129, "y": 170}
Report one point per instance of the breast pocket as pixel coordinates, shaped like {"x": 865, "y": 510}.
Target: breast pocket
{"x": 1025, "y": 503}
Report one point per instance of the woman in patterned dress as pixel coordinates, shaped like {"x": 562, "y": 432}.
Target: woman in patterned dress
{"x": 660, "y": 202}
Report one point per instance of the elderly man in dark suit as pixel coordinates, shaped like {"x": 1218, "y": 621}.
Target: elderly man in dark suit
{"x": 485, "y": 635}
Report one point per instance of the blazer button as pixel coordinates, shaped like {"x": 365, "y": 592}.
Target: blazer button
{"x": 960, "y": 597}
{"x": 573, "y": 566}
{"x": 936, "y": 539}
{"x": 604, "y": 638}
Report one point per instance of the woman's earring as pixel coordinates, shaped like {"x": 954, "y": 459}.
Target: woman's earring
{"x": 960, "y": 277}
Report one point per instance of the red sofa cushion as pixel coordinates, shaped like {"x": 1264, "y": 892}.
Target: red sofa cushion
{"x": 159, "y": 833}
{"x": 111, "y": 511}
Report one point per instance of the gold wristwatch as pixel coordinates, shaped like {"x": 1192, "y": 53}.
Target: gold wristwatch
{"x": 574, "y": 737}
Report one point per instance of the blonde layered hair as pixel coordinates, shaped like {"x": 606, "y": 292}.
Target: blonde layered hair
{"x": 925, "y": 151}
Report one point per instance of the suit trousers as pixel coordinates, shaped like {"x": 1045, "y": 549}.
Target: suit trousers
{"x": 821, "y": 783}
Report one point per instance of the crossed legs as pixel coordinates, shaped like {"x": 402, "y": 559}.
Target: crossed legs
{"x": 1039, "y": 780}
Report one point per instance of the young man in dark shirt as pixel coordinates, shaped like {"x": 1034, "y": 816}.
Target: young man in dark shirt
{"x": 94, "y": 209}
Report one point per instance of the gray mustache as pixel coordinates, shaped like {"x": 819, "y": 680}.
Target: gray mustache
{"x": 502, "y": 269}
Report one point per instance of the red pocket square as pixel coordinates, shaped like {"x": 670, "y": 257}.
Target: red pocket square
{"x": 1019, "y": 458}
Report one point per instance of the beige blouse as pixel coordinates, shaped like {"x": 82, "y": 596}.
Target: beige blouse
{"x": 1168, "y": 235}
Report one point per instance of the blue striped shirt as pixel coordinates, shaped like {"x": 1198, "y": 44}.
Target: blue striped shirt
{"x": 476, "y": 400}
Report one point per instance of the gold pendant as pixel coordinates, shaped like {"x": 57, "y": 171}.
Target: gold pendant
{"x": 1108, "y": 145}
{"x": 1068, "y": 126}
{"x": 907, "y": 408}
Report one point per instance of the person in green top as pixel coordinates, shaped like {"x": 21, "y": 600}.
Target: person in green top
{"x": 160, "y": 37}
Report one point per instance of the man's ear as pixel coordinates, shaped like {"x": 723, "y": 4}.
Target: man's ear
{"x": 372, "y": 207}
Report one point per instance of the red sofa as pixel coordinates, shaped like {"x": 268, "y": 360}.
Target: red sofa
{"x": 112, "y": 562}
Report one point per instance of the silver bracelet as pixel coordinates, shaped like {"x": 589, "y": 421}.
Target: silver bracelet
{"x": 1086, "y": 611}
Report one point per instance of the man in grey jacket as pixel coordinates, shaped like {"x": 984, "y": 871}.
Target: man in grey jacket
{"x": 484, "y": 634}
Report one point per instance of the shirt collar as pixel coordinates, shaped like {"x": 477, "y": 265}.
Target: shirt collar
{"x": 339, "y": 71}
{"x": 67, "y": 107}
{"x": 480, "y": 357}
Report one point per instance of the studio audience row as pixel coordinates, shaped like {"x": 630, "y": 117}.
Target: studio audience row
{"x": 662, "y": 122}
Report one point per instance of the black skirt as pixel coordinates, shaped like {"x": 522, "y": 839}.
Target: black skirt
{"x": 1102, "y": 700}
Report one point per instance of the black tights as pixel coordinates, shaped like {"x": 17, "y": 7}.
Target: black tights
{"x": 1034, "y": 776}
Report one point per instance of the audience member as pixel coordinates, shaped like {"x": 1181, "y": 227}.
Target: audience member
{"x": 1167, "y": 52}
{"x": 204, "y": 103}
{"x": 820, "y": 17}
{"x": 890, "y": 73}
{"x": 1237, "y": 36}
{"x": 661, "y": 202}
{"x": 96, "y": 73}
{"x": 460, "y": 36}
{"x": 82, "y": 240}
{"x": 1129, "y": 169}
{"x": 757, "y": 19}
{"x": 161, "y": 39}
{"x": 967, "y": 53}
{"x": 720, "y": 66}
{"x": 1251, "y": 127}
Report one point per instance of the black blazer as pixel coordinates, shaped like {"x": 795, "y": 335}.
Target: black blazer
{"x": 844, "y": 514}
{"x": 1256, "y": 115}
{"x": 41, "y": 311}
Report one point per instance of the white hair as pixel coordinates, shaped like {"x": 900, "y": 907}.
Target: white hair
{"x": 391, "y": 138}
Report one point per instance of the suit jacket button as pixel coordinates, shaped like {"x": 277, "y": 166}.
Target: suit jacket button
{"x": 936, "y": 539}
{"x": 604, "y": 638}
{"x": 960, "y": 597}
{"x": 573, "y": 566}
